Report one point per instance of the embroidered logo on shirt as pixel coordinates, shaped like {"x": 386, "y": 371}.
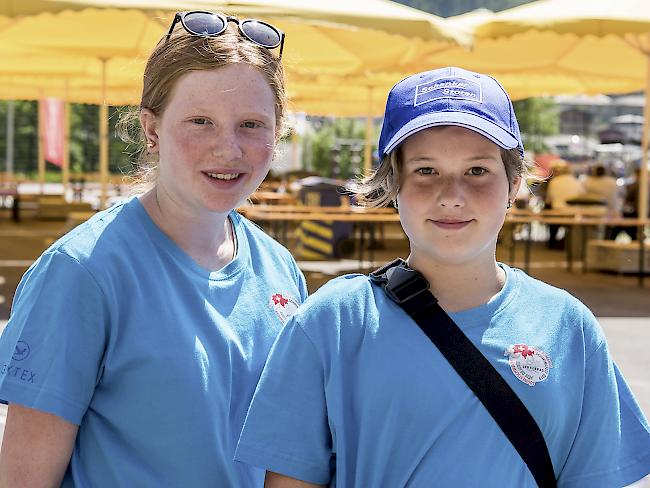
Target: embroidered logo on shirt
{"x": 283, "y": 305}
{"x": 528, "y": 364}
{"x": 21, "y": 351}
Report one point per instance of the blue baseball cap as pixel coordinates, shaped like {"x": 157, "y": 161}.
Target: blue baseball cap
{"x": 449, "y": 96}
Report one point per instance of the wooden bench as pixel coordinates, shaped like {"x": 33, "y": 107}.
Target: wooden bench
{"x": 78, "y": 217}
{"x": 55, "y": 207}
{"x": 617, "y": 257}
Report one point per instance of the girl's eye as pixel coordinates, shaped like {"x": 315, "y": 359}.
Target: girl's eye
{"x": 199, "y": 121}
{"x": 250, "y": 124}
{"x": 424, "y": 171}
{"x": 477, "y": 171}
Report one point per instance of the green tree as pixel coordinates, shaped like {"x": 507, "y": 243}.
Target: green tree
{"x": 537, "y": 118}
{"x": 337, "y": 147}
{"x": 25, "y": 136}
{"x": 84, "y": 139}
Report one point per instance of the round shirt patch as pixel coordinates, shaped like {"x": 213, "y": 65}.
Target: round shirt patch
{"x": 283, "y": 305}
{"x": 528, "y": 364}
{"x": 21, "y": 351}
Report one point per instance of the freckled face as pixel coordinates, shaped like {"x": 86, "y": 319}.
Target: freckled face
{"x": 453, "y": 196}
{"x": 215, "y": 138}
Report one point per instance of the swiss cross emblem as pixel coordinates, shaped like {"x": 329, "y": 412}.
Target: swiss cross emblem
{"x": 528, "y": 363}
{"x": 278, "y": 299}
{"x": 283, "y": 305}
{"x": 523, "y": 350}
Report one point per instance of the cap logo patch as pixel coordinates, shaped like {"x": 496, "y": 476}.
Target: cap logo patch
{"x": 453, "y": 87}
{"x": 528, "y": 363}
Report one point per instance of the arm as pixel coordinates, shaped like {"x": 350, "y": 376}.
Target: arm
{"x": 275, "y": 480}
{"x": 36, "y": 448}
{"x": 287, "y": 428}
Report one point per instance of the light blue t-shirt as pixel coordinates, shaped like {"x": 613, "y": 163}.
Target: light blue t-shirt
{"x": 355, "y": 394}
{"x": 116, "y": 329}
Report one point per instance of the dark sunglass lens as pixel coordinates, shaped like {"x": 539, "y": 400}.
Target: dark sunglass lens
{"x": 203, "y": 23}
{"x": 261, "y": 33}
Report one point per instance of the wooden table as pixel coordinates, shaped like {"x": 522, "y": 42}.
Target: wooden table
{"x": 365, "y": 219}
{"x": 577, "y": 221}
{"x": 560, "y": 212}
{"x": 11, "y": 191}
{"x": 302, "y": 209}
{"x": 273, "y": 198}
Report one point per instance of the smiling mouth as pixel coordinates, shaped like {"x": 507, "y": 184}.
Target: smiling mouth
{"x": 223, "y": 176}
{"x": 451, "y": 221}
{"x": 451, "y": 224}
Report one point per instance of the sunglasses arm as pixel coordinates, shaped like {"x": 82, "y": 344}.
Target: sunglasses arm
{"x": 177, "y": 17}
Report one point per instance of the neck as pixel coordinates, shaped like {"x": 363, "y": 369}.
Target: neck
{"x": 461, "y": 287}
{"x": 207, "y": 238}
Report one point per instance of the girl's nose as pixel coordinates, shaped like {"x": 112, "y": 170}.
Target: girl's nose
{"x": 451, "y": 194}
{"x": 226, "y": 145}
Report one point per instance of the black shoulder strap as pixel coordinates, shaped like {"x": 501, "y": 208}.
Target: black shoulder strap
{"x": 410, "y": 290}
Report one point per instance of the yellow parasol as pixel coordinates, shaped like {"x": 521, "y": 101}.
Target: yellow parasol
{"x": 564, "y": 46}
{"x": 99, "y": 46}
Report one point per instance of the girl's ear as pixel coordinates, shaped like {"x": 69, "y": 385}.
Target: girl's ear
{"x": 149, "y": 122}
{"x": 514, "y": 188}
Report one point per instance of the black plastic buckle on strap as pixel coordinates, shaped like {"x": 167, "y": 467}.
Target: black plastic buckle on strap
{"x": 378, "y": 276}
{"x": 400, "y": 282}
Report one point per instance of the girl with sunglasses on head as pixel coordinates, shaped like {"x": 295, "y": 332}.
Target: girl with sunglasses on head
{"x": 135, "y": 341}
{"x": 356, "y": 394}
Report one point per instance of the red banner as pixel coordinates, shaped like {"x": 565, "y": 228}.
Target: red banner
{"x": 52, "y": 129}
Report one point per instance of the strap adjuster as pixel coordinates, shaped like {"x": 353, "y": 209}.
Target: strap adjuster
{"x": 400, "y": 282}
{"x": 404, "y": 283}
{"x": 379, "y": 277}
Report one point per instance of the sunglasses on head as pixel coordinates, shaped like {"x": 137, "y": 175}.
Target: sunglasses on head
{"x": 209, "y": 24}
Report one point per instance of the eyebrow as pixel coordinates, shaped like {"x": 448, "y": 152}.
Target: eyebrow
{"x": 196, "y": 111}
{"x": 434, "y": 159}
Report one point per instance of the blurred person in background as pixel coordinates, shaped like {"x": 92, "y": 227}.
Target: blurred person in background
{"x": 631, "y": 206}
{"x": 601, "y": 186}
{"x": 561, "y": 187}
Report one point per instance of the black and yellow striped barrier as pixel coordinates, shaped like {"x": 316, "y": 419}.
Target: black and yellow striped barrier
{"x": 315, "y": 240}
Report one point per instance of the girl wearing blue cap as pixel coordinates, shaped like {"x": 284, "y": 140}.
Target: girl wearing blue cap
{"x": 135, "y": 342}
{"x": 354, "y": 394}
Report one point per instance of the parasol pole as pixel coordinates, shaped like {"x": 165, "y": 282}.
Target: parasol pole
{"x": 41, "y": 149}
{"x": 11, "y": 118}
{"x": 65, "y": 165}
{"x": 103, "y": 141}
{"x": 367, "y": 153}
{"x": 643, "y": 177}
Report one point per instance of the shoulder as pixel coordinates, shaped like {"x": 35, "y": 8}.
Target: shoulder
{"x": 347, "y": 290}
{"x": 541, "y": 294}
{"x": 555, "y": 307}
{"x": 339, "y": 315}
{"x": 541, "y": 290}
{"x": 267, "y": 256}
{"x": 89, "y": 241}
{"x": 260, "y": 241}
{"x": 100, "y": 249}
{"x": 348, "y": 299}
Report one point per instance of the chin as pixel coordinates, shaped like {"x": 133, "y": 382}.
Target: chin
{"x": 452, "y": 256}
{"x": 222, "y": 206}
